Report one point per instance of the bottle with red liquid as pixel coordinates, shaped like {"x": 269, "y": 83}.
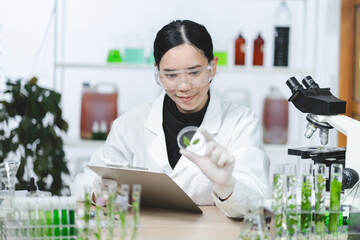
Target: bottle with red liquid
{"x": 275, "y": 118}
{"x": 97, "y": 106}
{"x": 240, "y": 50}
{"x": 258, "y": 57}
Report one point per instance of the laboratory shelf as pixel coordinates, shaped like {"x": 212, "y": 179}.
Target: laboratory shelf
{"x": 225, "y": 69}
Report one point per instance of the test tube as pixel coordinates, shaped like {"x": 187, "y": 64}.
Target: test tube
{"x": 123, "y": 201}
{"x": 291, "y": 211}
{"x": 111, "y": 188}
{"x": 277, "y": 198}
{"x": 64, "y": 216}
{"x": 56, "y": 216}
{"x": 49, "y": 231}
{"x": 320, "y": 188}
{"x": 98, "y": 209}
{"x": 335, "y": 191}
{"x": 136, "y": 194}
{"x": 306, "y": 191}
{"x": 72, "y": 207}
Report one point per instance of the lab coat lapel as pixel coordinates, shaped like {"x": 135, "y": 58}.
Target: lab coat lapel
{"x": 157, "y": 149}
{"x": 212, "y": 122}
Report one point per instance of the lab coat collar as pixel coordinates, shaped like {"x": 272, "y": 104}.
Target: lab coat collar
{"x": 157, "y": 148}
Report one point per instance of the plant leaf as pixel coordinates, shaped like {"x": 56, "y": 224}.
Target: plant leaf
{"x": 186, "y": 141}
{"x": 196, "y": 141}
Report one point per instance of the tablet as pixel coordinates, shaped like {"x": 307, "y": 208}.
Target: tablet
{"x": 158, "y": 190}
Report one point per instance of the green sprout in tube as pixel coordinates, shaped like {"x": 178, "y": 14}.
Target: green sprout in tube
{"x": 305, "y": 221}
{"x": 335, "y": 191}
{"x": 277, "y": 202}
{"x": 319, "y": 204}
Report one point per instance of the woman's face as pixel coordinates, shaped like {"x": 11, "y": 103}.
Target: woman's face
{"x": 188, "y": 99}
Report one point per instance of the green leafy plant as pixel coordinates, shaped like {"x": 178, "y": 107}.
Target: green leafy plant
{"x": 31, "y": 127}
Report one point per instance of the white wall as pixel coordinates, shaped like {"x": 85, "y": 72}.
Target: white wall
{"x": 87, "y": 29}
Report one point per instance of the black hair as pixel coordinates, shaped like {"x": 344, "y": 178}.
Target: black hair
{"x": 179, "y": 32}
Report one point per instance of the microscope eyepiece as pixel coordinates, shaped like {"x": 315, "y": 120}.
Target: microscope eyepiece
{"x": 309, "y": 83}
{"x": 294, "y": 85}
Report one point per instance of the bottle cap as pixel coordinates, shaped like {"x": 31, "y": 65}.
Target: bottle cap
{"x": 95, "y": 127}
{"x": 103, "y": 126}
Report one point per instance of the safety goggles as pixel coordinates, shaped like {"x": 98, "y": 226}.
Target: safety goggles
{"x": 171, "y": 80}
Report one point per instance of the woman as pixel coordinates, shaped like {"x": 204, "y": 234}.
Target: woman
{"x": 146, "y": 136}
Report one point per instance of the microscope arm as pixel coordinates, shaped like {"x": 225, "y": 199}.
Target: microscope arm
{"x": 351, "y": 128}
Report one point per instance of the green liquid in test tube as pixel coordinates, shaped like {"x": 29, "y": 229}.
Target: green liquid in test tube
{"x": 72, "y": 218}
{"x": 56, "y": 217}
{"x": 64, "y": 217}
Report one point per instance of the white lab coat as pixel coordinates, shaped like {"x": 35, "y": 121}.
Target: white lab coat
{"x": 137, "y": 138}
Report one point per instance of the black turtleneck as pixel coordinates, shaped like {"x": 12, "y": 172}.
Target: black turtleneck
{"x": 174, "y": 121}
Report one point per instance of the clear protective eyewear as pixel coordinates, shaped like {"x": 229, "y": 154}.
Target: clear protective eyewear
{"x": 171, "y": 80}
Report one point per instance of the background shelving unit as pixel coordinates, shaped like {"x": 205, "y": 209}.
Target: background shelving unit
{"x": 76, "y": 60}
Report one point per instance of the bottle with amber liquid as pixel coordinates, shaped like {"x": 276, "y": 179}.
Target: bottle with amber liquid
{"x": 240, "y": 50}
{"x": 258, "y": 57}
{"x": 275, "y": 118}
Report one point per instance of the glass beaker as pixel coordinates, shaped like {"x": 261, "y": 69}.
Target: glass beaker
{"x": 8, "y": 170}
{"x": 254, "y": 226}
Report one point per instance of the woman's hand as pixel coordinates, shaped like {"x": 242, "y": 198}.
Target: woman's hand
{"x": 217, "y": 164}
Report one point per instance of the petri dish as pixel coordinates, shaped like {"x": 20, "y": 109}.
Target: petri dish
{"x": 190, "y": 138}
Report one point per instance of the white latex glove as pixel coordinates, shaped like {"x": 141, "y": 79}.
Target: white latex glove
{"x": 217, "y": 164}
{"x": 100, "y": 189}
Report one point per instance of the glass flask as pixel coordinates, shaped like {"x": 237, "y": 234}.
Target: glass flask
{"x": 8, "y": 170}
{"x": 254, "y": 226}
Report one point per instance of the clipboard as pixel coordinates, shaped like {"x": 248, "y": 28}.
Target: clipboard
{"x": 158, "y": 190}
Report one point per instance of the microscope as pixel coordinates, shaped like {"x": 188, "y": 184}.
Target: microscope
{"x": 323, "y": 111}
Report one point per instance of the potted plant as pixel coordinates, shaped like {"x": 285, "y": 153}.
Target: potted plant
{"x": 31, "y": 128}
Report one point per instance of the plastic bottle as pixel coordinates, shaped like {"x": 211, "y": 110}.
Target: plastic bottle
{"x": 275, "y": 118}
{"x": 258, "y": 57}
{"x": 282, "y": 35}
{"x": 240, "y": 50}
{"x": 97, "y": 105}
